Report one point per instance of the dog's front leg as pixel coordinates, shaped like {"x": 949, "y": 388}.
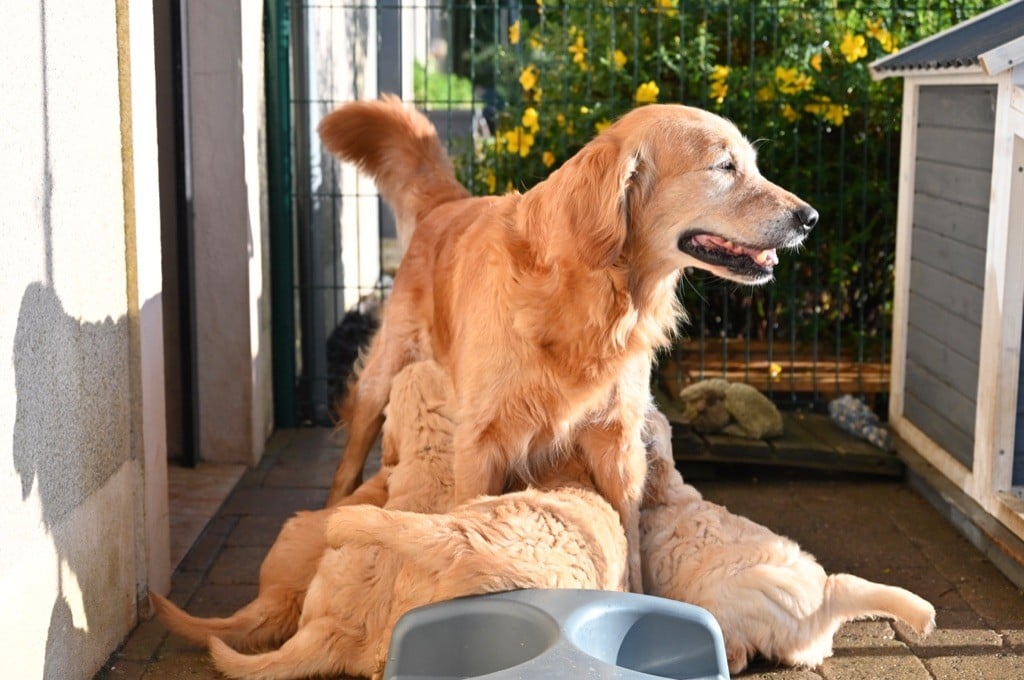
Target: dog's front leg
{"x": 479, "y": 462}
{"x": 618, "y": 463}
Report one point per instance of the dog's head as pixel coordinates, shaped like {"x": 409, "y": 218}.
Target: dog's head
{"x": 669, "y": 187}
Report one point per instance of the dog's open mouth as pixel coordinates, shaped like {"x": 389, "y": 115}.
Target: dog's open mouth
{"x": 743, "y": 261}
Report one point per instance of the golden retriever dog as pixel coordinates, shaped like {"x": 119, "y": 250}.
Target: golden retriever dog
{"x": 770, "y": 597}
{"x": 415, "y": 475}
{"x": 381, "y": 563}
{"x": 546, "y": 307}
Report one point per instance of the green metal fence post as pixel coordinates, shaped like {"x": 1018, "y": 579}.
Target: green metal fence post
{"x": 279, "y": 180}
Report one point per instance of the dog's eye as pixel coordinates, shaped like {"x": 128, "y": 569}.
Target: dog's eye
{"x": 726, "y": 166}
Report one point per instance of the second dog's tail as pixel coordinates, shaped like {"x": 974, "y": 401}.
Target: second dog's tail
{"x": 263, "y": 623}
{"x": 852, "y": 597}
{"x": 399, "y": 148}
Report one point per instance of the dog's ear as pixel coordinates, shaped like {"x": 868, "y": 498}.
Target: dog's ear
{"x": 603, "y": 190}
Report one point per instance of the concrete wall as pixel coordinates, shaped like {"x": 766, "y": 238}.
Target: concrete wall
{"x": 230, "y": 222}
{"x": 74, "y": 550}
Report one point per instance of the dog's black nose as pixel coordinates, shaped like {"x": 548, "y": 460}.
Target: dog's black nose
{"x": 807, "y": 215}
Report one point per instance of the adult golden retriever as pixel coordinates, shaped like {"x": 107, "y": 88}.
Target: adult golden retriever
{"x": 770, "y": 597}
{"x": 546, "y": 307}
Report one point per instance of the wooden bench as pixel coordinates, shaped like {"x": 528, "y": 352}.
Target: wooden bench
{"x": 779, "y": 368}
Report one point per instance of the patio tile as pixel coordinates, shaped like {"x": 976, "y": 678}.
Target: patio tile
{"x": 1000, "y": 666}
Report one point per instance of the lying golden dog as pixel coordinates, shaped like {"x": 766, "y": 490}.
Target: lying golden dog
{"x": 770, "y": 597}
{"x": 415, "y": 475}
{"x": 546, "y": 307}
{"x": 381, "y": 563}
{"x": 365, "y": 566}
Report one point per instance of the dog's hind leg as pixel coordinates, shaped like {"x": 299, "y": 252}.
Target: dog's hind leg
{"x": 396, "y": 345}
{"x": 319, "y": 648}
{"x": 262, "y": 624}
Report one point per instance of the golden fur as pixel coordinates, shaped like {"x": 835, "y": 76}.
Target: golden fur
{"x": 546, "y": 307}
{"x": 415, "y": 475}
{"x": 770, "y": 597}
{"x": 381, "y": 563}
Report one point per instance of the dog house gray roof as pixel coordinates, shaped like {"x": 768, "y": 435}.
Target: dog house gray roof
{"x": 957, "y": 47}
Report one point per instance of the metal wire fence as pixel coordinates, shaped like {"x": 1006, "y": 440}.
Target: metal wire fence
{"x": 518, "y": 87}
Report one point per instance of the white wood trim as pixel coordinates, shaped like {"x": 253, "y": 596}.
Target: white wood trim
{"x": 1001, "y": 312}
{"x": 1007, "y": 55}
{"x": 155, "y": 570}
{"x": 942, "y": 460}
{"x": 901, "y": 265}
{"x": 974, "y": 76}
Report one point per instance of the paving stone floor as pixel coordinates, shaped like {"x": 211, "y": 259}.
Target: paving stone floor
{"x": 880, "y": 529}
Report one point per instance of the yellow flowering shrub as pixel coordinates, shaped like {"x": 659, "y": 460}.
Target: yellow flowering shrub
{"x": 792, "y": 74}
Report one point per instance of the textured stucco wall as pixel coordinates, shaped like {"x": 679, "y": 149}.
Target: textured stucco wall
{"x": 68, "y": 477}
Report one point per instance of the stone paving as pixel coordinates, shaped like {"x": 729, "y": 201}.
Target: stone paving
{"x": 878, "y": 529}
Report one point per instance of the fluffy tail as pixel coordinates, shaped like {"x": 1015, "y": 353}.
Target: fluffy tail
{"x": 312, "y": 652}
{"x": 263, "y": 623}
{"x": 851, "y": 597}
{"x": 399, "y": 148}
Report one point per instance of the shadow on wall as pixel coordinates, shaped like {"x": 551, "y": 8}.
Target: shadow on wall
{"x": 72, "y": 433}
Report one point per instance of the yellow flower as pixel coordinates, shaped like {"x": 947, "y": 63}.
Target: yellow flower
{"x": 619, "y": 58}
{"x": 853, "y": 47}
{"x": 492, "y": 182}
{"x": 560, "y": 119}
{"x": 547, "y": 158}
{"x": 530, "y": 119}
{"x": 584, "y": 110}
{"x": 668, "y": 7}
{"x": 601, "y": 125}
{"x": 824, "y": 107}
{"x": 535, "y": 43}
{"x": 513, "y": 33}
{"x": 717, "y": 87}
{"x": 790, "y": 114}
{"x": 816, "y": 62}
{"x": 875, "y": 30}
{"x": 518, "y": 141}
{"x": 647, "y": 93}
{"x": 579, "y": 51}
{"x": 765, "y": 94}
{"x": 528, "y": 77}
{"x": 790, "y": 81}
{"x": 718, "y": 90}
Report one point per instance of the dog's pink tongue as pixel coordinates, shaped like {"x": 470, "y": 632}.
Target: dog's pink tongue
{"x": 765, "y": 258}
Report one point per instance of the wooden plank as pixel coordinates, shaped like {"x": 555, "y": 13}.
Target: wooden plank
{"x": 958, "y": 372}
{"x": 962, "y": 336}
{"x": 962, "y": 223}
{"x": 952, "y": 146}
{"x": 952, "y": 440}
{"x": 964, "y": 185}
{"x": 962, "y": 261}
{"x": 958, "y": 297}
{"x": 935, "y": 392}
{"x": 969, "y": 107}
{"x": 809, "y": 441}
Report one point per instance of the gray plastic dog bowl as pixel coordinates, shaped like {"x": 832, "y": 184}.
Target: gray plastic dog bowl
{"x": 536, "y": 634}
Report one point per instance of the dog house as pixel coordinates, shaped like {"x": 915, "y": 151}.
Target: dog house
{"x": 957, "y": 384}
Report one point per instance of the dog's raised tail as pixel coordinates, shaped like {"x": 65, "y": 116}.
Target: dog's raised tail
{"x": 399, "y": 148}
{"x": 263, "y": 623}
{"x": 851, "y": 597}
